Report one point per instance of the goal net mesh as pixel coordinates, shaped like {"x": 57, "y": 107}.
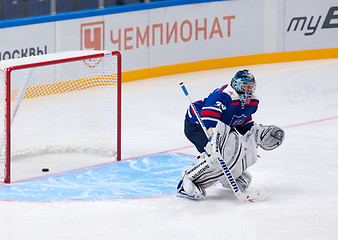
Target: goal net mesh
{"x": 61, "y": 103}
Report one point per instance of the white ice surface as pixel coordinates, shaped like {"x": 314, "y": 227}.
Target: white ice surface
{"x": 301, "y": 177}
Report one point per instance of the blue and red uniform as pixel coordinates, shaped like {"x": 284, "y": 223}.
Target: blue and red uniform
{"x": 224, "y": 105}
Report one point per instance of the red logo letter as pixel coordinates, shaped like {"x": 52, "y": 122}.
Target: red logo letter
{"x": 92, "y": 36}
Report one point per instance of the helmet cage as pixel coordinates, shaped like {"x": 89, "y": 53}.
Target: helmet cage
{"x": 244, "y": 84}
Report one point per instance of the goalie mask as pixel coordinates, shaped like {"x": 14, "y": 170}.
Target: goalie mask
{"x": 244, "y": 84}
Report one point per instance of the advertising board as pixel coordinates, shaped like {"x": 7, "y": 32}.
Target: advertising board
{"x": 172, "y": 35}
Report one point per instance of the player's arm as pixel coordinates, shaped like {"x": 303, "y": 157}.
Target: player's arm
{"x": 213, "y": 108}
{"x": 211, "y": 115}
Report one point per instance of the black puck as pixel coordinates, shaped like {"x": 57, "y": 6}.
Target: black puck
{"x": 45, "y": 169}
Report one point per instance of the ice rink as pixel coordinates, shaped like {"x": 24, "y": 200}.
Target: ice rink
{"x": 300, "y": 177}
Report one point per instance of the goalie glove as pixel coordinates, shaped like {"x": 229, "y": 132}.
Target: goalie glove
{"x": 268, "y": 137}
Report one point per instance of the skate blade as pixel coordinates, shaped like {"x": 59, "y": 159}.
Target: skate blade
{"x": 182, "y": 195}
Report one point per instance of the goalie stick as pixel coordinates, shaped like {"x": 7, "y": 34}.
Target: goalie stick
{"x": 243, "y": 197}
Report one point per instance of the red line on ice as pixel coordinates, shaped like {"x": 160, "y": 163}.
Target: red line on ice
{"x": 311, "y": 122}
{"x": 290, "y": 126}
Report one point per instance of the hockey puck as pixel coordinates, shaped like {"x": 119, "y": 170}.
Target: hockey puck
{"x": 45, "y": 169}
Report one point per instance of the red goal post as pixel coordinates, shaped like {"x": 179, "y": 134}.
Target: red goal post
{"x": 67, "y": 102}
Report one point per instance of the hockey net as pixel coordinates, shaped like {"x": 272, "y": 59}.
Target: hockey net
{"x": 62, "y": 103}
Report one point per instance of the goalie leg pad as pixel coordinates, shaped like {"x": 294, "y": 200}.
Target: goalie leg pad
{"x": 239, "y": 152}
{"x": 187, "y": 189}
{"x": 242, "y": 181}
{"x": 204, "y": 172}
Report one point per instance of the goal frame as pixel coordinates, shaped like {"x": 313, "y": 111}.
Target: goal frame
{"x": 8, "y": 71}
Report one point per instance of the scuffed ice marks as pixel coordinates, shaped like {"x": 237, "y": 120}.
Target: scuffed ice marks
{"x": 149, "y": 176}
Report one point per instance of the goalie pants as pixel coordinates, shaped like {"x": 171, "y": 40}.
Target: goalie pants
{"x": 196, "y": 135}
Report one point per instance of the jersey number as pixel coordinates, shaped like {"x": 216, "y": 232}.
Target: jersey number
{"x": 220, "y": 105}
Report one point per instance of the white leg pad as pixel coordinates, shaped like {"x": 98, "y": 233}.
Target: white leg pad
{"x": 242, "y": 181}
{"x": 204, "y": 172}
{"x": 187, "y": 189}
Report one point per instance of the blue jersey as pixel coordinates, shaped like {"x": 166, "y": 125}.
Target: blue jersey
{"x": 224, "y": 105}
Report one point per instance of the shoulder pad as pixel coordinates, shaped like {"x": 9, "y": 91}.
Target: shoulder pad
{"x": 231, "y": 92}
